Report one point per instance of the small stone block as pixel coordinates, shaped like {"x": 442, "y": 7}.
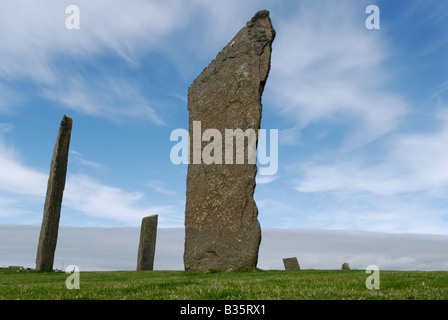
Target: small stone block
{"x": 345, "y": 266}
{"x": 291, "y": 263}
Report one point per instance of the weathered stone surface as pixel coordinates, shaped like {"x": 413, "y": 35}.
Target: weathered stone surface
{"x": 221, "y": 225}
{"x": 345, "y": 266}
{"x": 53, "y": 201}
{"x": 147, "y": 246}
{"x": 291, "y": 263}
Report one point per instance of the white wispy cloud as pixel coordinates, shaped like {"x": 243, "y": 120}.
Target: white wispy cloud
{"x": 33, "y": 33}
{"x": 409, "y": 163}
{"x": 290, "y": 136}
{"x": 6, "y": 127}
{"x": 93, "y": 198}
{"x": 98, "y": 200}
{"x": 17, "y": 178}
{"x": 23, "y": 190}
{"x": 410, "y": 213}
{"x": 20, "y": 186}
{"x": 79, "y": 158}
{"x": 439, "y": 91}
{"x": 260, "y": 180}
{"x": 108, "y": 98}
{"x": 324, "y": 70}
{"x": 37, "y": 47}
{"x": 401, "y": 189}
{"x": 159, "y": 187}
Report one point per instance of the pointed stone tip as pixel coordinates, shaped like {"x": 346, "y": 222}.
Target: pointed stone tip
{"x": 67, "y": 120}
{"x": 262, "y": 14}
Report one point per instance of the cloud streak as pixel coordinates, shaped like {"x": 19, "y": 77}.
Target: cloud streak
{"x": 108, "y": 249}
{"x": 410, "y": 163}
{"x": 17, "y": 178}
{"x": 23, "y": 189}
{"x": 109, "y": 97}
{"x": 37, "y": 47}
{"x": 112, "y": 39}
{"x": 327, "y": 68}
{"x": 30, "y": 46}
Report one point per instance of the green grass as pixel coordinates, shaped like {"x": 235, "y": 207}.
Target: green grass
{"x": 216, "y": 285}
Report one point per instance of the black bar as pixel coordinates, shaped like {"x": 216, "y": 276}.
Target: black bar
{"x": 209, "y": 309}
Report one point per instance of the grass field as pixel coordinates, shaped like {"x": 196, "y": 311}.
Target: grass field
{"x": 216, "y": 285}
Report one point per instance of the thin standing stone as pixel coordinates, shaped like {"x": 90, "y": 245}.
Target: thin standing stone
{"x": 147, "y": 246}
{"x": 53, "y": 201}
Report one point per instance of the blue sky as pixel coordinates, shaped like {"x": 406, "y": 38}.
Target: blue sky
{"x": 362, "y": 114}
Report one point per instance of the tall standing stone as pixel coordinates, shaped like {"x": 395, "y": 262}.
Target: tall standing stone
{"x": 53, "y": 201}
{"x": 147, "y": 246}
{"x": 221, "y": 225}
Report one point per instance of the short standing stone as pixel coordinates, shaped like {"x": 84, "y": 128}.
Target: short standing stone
{"x": 345, "y": 266}
{"x": 147, "y": 246}
{"x": 53, "y": 201}
{"x": 291, "y": 263}
{"x": 221, "y": 226}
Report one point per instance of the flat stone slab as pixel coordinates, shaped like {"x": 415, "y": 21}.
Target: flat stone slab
{"x": 291, "y": 264}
